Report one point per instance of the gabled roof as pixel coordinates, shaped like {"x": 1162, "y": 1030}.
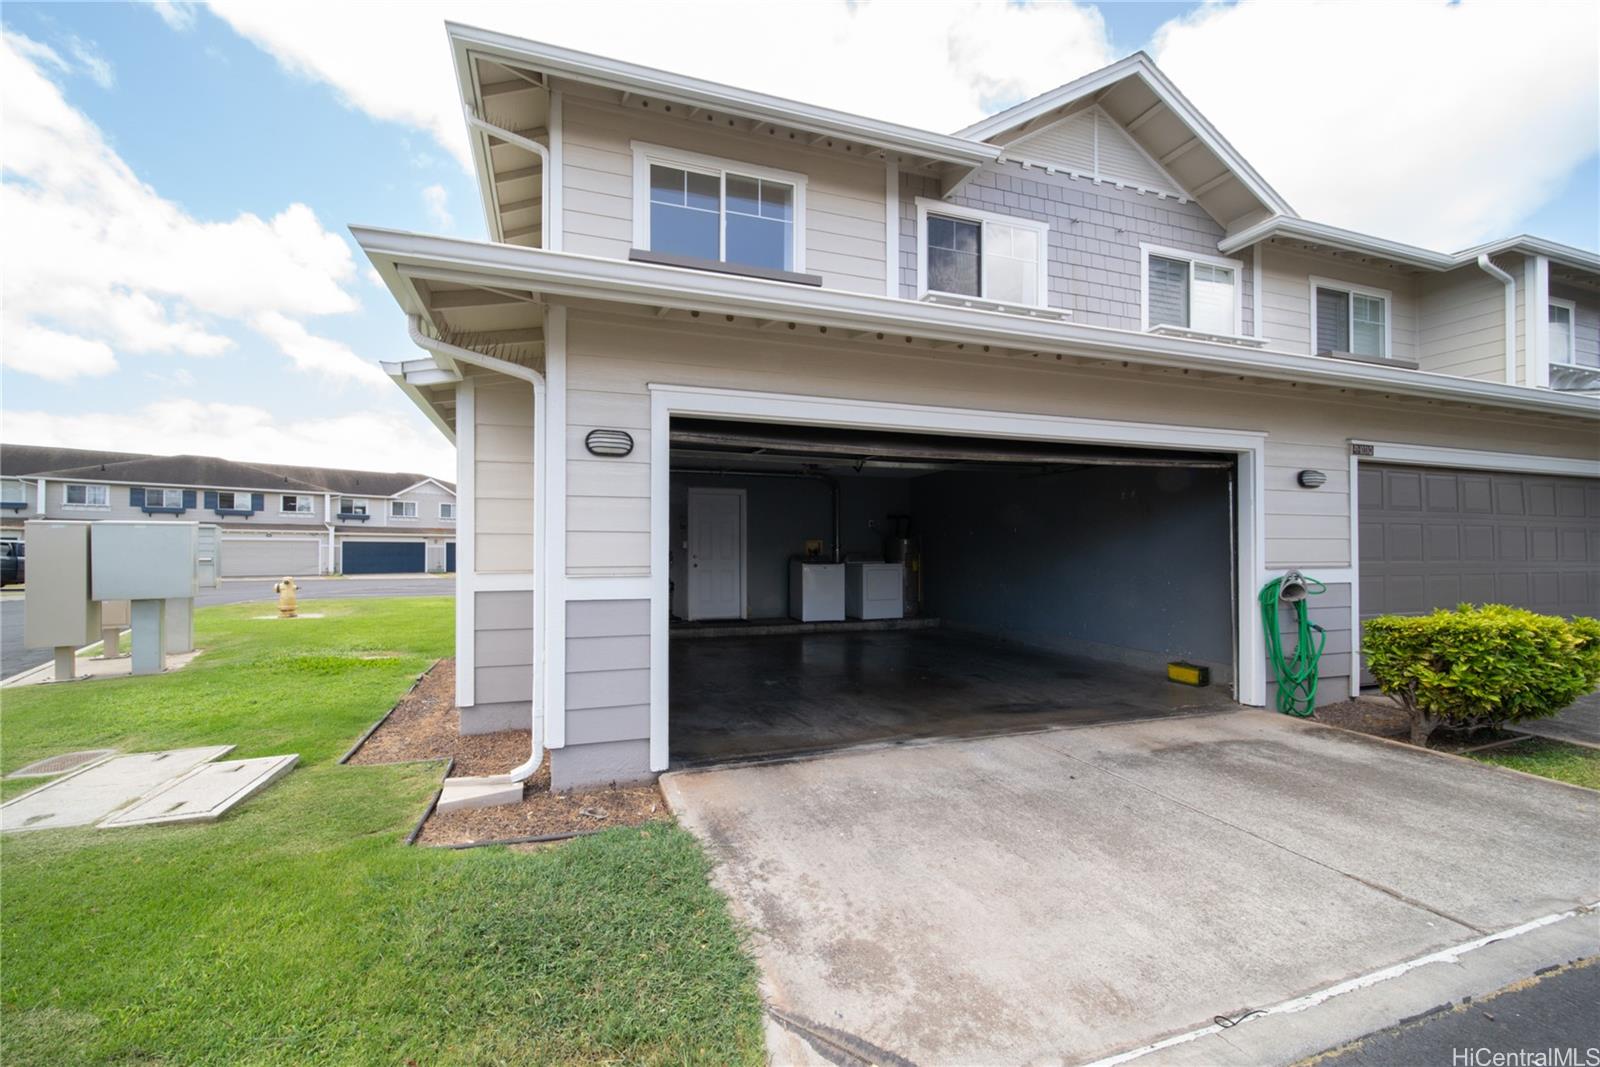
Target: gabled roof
{"x": 209, "y": 472}
{"x": 19, "y": 460}
{"x": 1163, "y": 122}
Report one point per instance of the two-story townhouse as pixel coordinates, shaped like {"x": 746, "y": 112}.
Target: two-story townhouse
{"x": 272, "y": 520}
{"x": 1078, "y": 368}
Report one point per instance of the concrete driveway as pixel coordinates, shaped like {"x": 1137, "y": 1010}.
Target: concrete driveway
{"x": 1063, "y": 896}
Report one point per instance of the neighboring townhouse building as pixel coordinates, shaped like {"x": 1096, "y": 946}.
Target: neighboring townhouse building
{"x": 272, "y": 520}
{"x": 1081, "y": 354}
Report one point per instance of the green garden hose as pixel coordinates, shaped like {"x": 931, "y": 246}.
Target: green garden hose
{"x": 1297, "y": 676}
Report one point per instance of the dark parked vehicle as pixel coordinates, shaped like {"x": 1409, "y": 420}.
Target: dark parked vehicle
{"x": 13, "y": 562}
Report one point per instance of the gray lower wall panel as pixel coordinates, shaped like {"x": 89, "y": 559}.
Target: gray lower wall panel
{"x": 608, "y": 695}
{"x": 590, "y": 766}
{"x": 492, "y": 718}
{"x": 505, "y": 648}
{"x": 500, "y": 684}
{"x": 591, "y": 726}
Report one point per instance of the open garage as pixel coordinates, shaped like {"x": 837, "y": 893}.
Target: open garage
{"x": 832, "y": 586}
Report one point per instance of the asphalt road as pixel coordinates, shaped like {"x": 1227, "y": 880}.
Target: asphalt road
{"x": 14, "y": 658}
{"x": 1550, "y": 1011}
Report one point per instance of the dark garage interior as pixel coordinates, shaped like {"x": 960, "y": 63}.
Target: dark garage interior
{"x": 835, "y": 587}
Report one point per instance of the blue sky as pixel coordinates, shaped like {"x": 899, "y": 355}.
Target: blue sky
{"x": 229, "y": 116}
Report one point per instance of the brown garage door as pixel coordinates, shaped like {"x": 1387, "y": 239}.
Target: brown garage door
{"x": 1434, "y": 538}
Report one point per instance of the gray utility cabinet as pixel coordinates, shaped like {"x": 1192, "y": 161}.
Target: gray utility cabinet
{"x": 60, "y": 611}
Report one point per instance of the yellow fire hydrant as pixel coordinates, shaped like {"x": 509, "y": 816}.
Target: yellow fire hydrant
{"x": 286, "y": 603}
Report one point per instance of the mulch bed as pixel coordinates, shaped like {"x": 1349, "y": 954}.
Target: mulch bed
{"x": 425, "y": 725}
{"x": 1381, "y": 717}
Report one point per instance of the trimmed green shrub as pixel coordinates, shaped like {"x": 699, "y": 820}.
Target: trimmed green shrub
{"x": 1481, "y": 666}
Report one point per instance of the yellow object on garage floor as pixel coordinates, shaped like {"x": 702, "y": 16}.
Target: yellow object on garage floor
{"x": 1188, "y": 673}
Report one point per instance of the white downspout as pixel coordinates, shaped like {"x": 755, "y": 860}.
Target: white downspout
{"x": 534, "y": 378}
{"x": 544, "y": 164}
{"x": 1510, "y": 283}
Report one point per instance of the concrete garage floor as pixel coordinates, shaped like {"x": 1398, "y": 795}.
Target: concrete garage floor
{"x": 737, "y": 698}
{"x": 1062, "y": 896}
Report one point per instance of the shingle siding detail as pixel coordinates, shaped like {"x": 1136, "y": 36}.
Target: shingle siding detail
{"x": 1095, "y": 232}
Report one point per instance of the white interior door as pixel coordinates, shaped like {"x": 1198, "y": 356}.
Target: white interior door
{"x": 716, "y": 554}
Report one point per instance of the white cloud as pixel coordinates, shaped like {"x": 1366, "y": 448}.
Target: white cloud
{"x": 365, "y": 440}
{"x": 437, "y": 198}
{"x": 939, "y": 64}
{"x": 95, "y": 65}
{"x": 1441, "y": 124}
{"x": 175, "y": 13}
{"x": 317, "y": 355}
{"x": 98, "y": 263}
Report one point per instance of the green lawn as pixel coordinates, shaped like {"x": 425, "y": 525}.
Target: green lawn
{"x": 1550, "y": 759}
{"x": 299, "y": 928}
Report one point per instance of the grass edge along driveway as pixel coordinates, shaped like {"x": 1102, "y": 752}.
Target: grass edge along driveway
{"x": 300, "y": 928}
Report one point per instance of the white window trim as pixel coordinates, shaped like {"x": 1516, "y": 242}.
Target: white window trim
{"x": 446, "y": 504}
{"x": 644, "y": 154}
{"x": 86, "y": 507}
{"x": 1315, "y": 283}
{"x": 307, "y": 497}
{"x": 926, "y": 206}
{"x": 248, "y": 494}
{"x": 21, "y": 488}
{"x": 415, "y": 511}
{"x": 1235, "y": 265}
{"x": 364, "y": 500}
{"x": 1572, "y": 333}
{"x": 163, "y": 490}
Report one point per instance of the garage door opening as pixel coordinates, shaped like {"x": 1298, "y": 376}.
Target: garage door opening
{"x": 832, "y": 587}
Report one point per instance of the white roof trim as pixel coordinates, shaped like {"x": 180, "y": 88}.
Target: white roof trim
{"x": 420, "y": 484}
{"x": 564, "y": 274}
{"x": 639, "y": 80}
{"x": 1411, "y": 255}
{"x": 1140, "y": 66}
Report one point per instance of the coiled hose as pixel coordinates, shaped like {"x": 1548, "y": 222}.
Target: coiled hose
{"x": 1297, "y": 676}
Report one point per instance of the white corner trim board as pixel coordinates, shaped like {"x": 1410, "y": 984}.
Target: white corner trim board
{"x": 667, "y": 400}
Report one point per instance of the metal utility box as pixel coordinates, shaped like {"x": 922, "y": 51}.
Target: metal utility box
{"x": 208, "y": 564}
{"x": 875, "y": 590}
{"x": 58, "y": 609}
{"x": 144, "y": 560}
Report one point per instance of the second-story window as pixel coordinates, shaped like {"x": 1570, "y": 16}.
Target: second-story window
{"x": 974, "y": 253}
{"x": 1350, "y": 319}
{"x": 1562, "y": 347}
{"x": 349, "y": 505}
{"x": 163, "y": 498}
{"x": 447, "y": 511}
{"x": 227, "y": 501}
{"x": 295, "y": 505}
{"x": 1190, "y": 292}
{"x": 13, "y": 493}
{"x": 402, "y": 509}
{"x": 712, "y": 209}
{"x": 87, "y": 496}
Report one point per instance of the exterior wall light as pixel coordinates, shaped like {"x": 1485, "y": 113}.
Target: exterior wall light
{"x": 609, "y": 442}
{"x": 1310, "y": 479}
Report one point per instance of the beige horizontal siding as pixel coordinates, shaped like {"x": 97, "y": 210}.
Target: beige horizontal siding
{"x": 845, "y": 209}
{"x": 1461, "y": 325}
{"x": 503, "y": 476}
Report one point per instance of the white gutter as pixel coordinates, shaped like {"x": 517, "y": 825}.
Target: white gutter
{"x": 1510, "y": 283}
{"x": 530, "y": 145}
{"x": 39, "y": 501}
{"x": 540, "y": 590}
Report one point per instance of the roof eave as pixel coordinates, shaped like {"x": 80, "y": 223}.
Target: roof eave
{"x": 563, "y": 274}
{"x": 633, "y": 78}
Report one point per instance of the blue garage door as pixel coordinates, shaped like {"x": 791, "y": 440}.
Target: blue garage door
{"x": 450, "y": 556}
{"x": 385, "y": 557}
